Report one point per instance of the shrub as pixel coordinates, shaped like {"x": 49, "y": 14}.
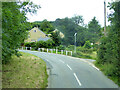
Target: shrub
{"x": 80, "y": 55}
{"x": 87, "y": 45}
{"x": 61, "y": 47}
{"x": 27, "y": 44}
{"x": 84, "y": 50}
{"x": 49, "y": 43}
{"x": 70, "y": 47}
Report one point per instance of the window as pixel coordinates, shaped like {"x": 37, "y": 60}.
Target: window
{"x": 34, "y": 30}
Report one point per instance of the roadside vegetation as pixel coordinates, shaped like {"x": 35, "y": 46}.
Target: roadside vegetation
{"x": 109, "y": 49}
{"x": 26, "y": 71}
{"x": 91, "y": 41}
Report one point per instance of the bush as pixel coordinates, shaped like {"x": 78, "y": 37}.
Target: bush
{"x": 80, "y": 55}
{"x": 95, "y": 47}
{"x": 87, "y": 45}
{"x": 49, "y": 43}
{"x": 61, "y": 47}
{"x": 70, "y": 47}
{"x": 27, "y": 44}
{"x": 109, "y": 69}
{"x": 84, "y": 50}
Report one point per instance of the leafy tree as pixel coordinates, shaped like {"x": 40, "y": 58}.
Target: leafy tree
{"x": 46, "y": 26}
{"x": 14, "y": 26}
{"x": 87, "y": 44}
{"x": 94, "y": 30}
{"x": 78, "y": 20}
{"x": 68, "y": 28}
{"x": 56, "y": 38}
{"x": 109, "y": 49}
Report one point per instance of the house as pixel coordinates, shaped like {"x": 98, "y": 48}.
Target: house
{"x": 36, "y": 34}
{"x": 60, "y": 33}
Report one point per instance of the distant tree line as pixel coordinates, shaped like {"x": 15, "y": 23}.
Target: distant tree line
{"x": 70, "y": 26}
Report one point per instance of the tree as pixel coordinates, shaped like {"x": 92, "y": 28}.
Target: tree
{"x": 87, "y": 45}
{"x": 68, "y": 27}
{"x": 56, "y": 38}
{"x": 78, "y": 20}
{"x": 94, "y": 30}
{"x": 46, "y": 26}
{"x": 109, "y": 49}
{"x": 14, "y": 26}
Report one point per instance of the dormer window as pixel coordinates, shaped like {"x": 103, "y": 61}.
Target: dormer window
{"x": 34, "y": 30}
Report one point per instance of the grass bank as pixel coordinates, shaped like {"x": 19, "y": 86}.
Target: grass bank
{"x": 26, "y": 71}
{"x": 107, "y": 70}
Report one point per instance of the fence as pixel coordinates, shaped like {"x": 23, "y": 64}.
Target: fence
{"x": 63, "y": 52}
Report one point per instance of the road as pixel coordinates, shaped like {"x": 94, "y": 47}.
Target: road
{"x": 69, "y": 72}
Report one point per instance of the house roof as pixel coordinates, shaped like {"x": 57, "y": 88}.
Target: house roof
{"x": 38, "y": 29}
{"x": 43, "y": 39}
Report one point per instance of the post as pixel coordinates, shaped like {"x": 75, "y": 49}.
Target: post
{"x": 38, "y": 49}
{"x": 75, "y": 43}
{"x": 56, "y": 51}
{"x": 66, "y": 53}
{"x": 47, "y": 50}
{"x": 22, "y": 48}
{"x": 61, "y": 51}
{"x": 71, "y": 53}
{"x": 42, "y": 49}
{"x": 26, "y": 48}
{"x": 104, "y": 17}
{"x": 30, "y": 48}
{"x": 51, "y": 51}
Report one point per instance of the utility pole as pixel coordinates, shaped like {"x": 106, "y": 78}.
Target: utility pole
{"x": 75, "y": 43}
{"x": 104, "y": 17}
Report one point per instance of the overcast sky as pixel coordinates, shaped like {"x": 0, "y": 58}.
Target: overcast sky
{"x": 53, "y": 9}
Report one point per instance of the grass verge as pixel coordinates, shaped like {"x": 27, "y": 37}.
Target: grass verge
{"x": 26, "y": 71}
{"x": 107, "y": 70}
{"x": 92, "y": 55}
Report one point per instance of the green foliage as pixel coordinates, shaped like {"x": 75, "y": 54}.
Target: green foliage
{"x": 109, "y": 49}
{"x": 14, "y": 27}
{"x": 78, "y": 20}
{"x": 56, "y": 38}
{"x": 61, "y": 47}
{"x": 46, "y": 26}
{"x": 27, "y": 44}
{"x": 70, "y": 47}
{"x": 45, "y": 44}
{"x": 70, "y": 26}
{"x": 84, "y": 50}
{"x": 94, "y": 30}
{"x": 87, "y": 45}
{"x": 81, "y": 55}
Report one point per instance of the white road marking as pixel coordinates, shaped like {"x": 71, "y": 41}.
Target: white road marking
{"x": 77, "y": 79}
{"x": 95, "y": 67}
{"x": 69, "y": 67}
{"x": 62, "y": 61}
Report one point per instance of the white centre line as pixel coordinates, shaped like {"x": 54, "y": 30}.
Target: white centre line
{"x": 77, "y": 79}
{"x": 69, "y": 67}
{"x": 62, "y": 61}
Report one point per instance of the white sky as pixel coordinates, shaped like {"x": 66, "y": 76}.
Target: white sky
{"x": 53, "y": 9}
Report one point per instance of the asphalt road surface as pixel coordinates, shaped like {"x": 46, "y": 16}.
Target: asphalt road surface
{"x": 69, "y": 72}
